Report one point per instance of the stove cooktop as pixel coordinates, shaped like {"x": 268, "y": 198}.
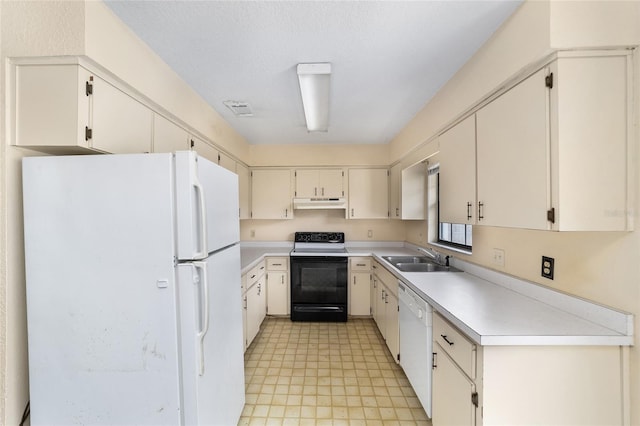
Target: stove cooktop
{"x": 318, "y": 244}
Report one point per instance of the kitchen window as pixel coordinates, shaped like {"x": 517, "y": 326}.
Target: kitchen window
{"x": 454, "y": 235}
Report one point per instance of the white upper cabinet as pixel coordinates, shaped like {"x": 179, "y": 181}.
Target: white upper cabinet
{"x": 591, "y": 127}
{"x": 244, "y": 183}
{"x": 553, "y": 151}
{"x": 271, "y": 194}
{"x": 167, "y": 136}
{"x": 413, "y": 192}
{"x": 395, "y": 188}
{"x": 458, "y": 173}
{"x": 67, "y": 108}
{"x": 512, "y": 150}
{"x": 324, "y": 183}
{"x": 368, "y": 194}
{"x": 204, "y": 149}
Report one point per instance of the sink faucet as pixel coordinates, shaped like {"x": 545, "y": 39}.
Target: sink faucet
{"x": 435, "y": 255}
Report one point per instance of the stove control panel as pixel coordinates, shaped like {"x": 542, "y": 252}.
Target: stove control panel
{"x": 319, "y": 237}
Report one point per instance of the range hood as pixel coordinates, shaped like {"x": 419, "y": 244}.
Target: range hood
{"x": 319, "y": 203}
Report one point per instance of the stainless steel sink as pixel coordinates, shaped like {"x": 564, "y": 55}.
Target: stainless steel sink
{"x": 418, "y": 264}
{"x": 425, "y": 267}
{"x": 407, "y": 259}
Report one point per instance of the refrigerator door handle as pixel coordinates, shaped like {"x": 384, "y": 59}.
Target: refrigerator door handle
{"x": 202, "y": 280}
{"x": 202, "y": 224}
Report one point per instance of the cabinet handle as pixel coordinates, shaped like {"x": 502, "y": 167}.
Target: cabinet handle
{"x": 276, "y": 264}
{"x": 444, "y": 336}
{"x": 286, "y": 212}
{"x": 252, "y": 276}
{"x": 480, "y": 206}
{"x": 315, "y": 191}
{"x": 360, "y": 264}
{"x": 434, "y": 359}
{"x": 322, "y": 190}
{"x": 386, "y": 298}
{"x": 469, "y": 211}
{"x": 259, "y": 289}
{"x": 354, "y": 280}
{"x": 262, "y": 267}
{"x": 397, "y": 211}
{"x": 382, "y": 293}
{"x": 351, "y": 212}
{"x": 245, "y": 302}
{"x": 282, "y": 279}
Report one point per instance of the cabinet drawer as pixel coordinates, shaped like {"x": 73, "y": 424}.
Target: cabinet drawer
{"x": 360, "y": 263}
{"x": 255, "y": 273}
{"x": 277, "y": 263}
{"x": 459, "y": 347}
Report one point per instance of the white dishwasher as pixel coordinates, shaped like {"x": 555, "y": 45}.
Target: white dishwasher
{"x": 416, "y": 344}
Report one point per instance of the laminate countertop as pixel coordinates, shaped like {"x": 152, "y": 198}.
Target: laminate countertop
{"x": 490, "y": 307}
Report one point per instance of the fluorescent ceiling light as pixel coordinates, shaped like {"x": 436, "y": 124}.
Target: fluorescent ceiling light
{"x": 314, "y": 87}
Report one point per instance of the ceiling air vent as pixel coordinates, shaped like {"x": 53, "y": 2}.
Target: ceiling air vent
{"x": 240, "y": 109}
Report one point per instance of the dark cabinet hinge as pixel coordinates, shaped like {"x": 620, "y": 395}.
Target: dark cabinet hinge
{"x": 88, "y": 133}
{"x": 548, "y": 81}
{"x": 551, "y": 215}
{"x": 192, "y": 143}
{"x": 88, "y": 88}
{"x": 474, "y": 399}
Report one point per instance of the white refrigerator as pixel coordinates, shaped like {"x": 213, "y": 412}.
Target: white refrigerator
{"x": 133, "y": 290}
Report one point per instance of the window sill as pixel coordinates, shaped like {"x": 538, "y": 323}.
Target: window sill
{"x": 451, "y": 248}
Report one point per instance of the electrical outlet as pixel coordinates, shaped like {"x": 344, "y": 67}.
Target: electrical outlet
{"x": 547, "y": 267}
{"x": 498, "y": 257}
{"x": 253, "y": 233}
{"x": 370, "y": 233}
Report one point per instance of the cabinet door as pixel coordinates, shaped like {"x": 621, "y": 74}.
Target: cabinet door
{"x": 392, "y": 325}
{"x": 277, "y": 293}
{"x": 368, "y": 194}
{"x": 413, "y": 192}
{"x": 271, "y": 194}
{"x": 307, "y": 183}
{"x": 331, "y": 183}
{"x": 457, "y": 184}
{"x": 204, "y": 149}
{"x": 167, "y": 136}
{"x": 359, "y": 290}
{"x": 244, "y": 181}
{"x": 120, "y": 124}
{"x": 52, "y": 108}
{"x": 227, "y": 162}
{"x": 589, "y": 137}
{"x": 381, "y": 309}
{"x": 452, "y": 391}
{"x": 395, "y": 189}
{"x": 374, "y": 298}
{"x": 253, "y": 313}
{"x": 512, "y": 157}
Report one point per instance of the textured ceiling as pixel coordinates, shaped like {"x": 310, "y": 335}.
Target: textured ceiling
{"x": 388, "y": 58}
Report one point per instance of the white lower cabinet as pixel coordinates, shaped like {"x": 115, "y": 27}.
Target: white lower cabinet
{"x": 359, "y": 286}
{"x": 278, "y": 285}
{"x": 385, "y": 296}
{"x": 525, "y": 385}
{"x": 254, "y": 302}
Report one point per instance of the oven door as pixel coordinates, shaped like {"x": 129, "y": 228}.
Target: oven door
{"x": 318, "y": 288}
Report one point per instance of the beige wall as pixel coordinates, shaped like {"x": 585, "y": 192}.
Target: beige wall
{"x": 319, "y": 155}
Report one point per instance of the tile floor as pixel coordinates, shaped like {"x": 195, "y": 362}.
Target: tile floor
{"x": 302, "y": 373}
